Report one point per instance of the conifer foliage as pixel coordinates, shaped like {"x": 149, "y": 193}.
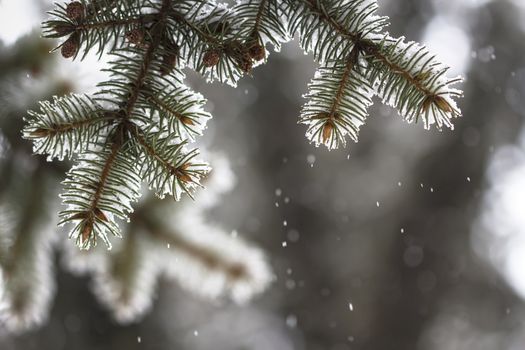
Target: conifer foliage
{"x": 139, "y": 125}
{"x": 169, "y": 240}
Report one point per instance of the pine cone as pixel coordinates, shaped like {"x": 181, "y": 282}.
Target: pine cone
{"x": 328, "y": 129}
{"x": 70, "y": 46}
{"x": 245, "y": 63}
{"x": 257, "y": 52}
{"x": 211, "y": 58}
{"x": 135, "y": 36}
{"x": 75, "y": 10}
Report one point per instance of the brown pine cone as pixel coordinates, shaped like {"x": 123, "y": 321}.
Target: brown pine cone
{"x": 70, "y": 46}
{"x": 135, "y": 36}
{"x": 211, "y": 58}
{"x": 75, "y": 10}
{"x": 257, "y": 52}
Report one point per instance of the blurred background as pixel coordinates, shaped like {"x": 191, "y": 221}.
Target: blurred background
{"x": 409, "y": 239}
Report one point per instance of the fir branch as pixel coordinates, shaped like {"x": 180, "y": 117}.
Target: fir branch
{"x": 27, "y": 270}
{"x": 166, "y": 166}
{"x": 403, "y": 75}
{"x": 262, "y": 23}
{"x": 209, "y": 40}
{"x": 203, "y": 255}
{"x": 100, "y": 26}
{"x": 67, "y": 125}
{"x": 409, "y": 78}
{"x": 337, "y": 104}
{"x": 211, "y": 263}
{"x": 145, "y": 114}
{"x": 127, "y": 281}
{"x": 99, "y": 189}
{"x": 179, "y": 109}
{"x": 317, "y": 21}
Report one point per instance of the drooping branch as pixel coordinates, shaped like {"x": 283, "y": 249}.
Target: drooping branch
{"x": 367, "y": 47}
{"x": 92, "y": 215}
{"x": 405, "y": 76}
{"x": 338, "y": 102}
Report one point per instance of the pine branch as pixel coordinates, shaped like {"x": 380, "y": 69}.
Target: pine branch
{"x": 329, "y": 28}
{"x": 409, "y": 78}
{"x": 95, "y": 190}
{"x": 338, "y": 100}
{"x": 99, "y": 25}
{"x": 201, "y": 257}
{"x": 227, "y": 268}
{"x": 126, "y": 282}
{"x": 174, "y": 108}
{"x": 99, "y": 189}
{"x": 68, "y": 125}
{"x": 26, "y": 269}
{"x": 166, "y": 166}
{"x": 263, "y": 23}
{"x": 205, "y": 256}
{"x": 144, "y": 111}
{"x": 403, "y": 75}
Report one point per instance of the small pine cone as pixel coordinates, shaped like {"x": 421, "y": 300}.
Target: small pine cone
{"x": 182, "y": 175}
{"x": 245, "y": 64}
{"x": 211, "y": 58}
{"x": 135, "y": 36}
{"x": 442, "y": 104}
{"x": 257, "y": 52}
{"x": 328, "y": 129}
{"x": 70, "y": 46}
{"x": 86, "y": 231}
{"x": 187, "y": 121}
{"x": 75, "y": 10}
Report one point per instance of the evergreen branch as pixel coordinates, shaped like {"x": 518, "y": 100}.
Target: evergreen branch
{"x": 99, "y": 26}
{"x": 67, "y": 125}
{"x": 91, "y": 190}
{"x": 166, "y": 167}
{"x": 27, "y": 270}
{"x": 124, "y": 267}
{"x": 262, "y": 23}
{"x": 407, "y": 77}
{"x": 202, "y": 255}
{"x": 329, "y": 29}
{"x": 98, "y": 189}
{"x": 337, "y": 105}
{"x": 179, "y": 109}
{"x": 209, "y": 40}
{"x": 126, "y": 283}
{"x": 211, "y": 263}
